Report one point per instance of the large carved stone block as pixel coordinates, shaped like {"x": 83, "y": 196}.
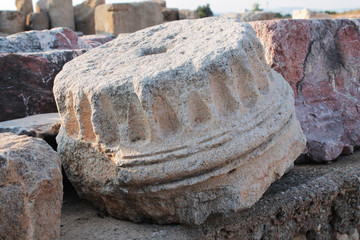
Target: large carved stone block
{"x": 171, "y": 126}
{"x": 12, "y": 22}
{"x": 85, "y": 16}
{"x": 126, "y": 17}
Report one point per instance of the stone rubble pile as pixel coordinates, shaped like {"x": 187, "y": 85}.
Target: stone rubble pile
{"x": 29, "y": 62}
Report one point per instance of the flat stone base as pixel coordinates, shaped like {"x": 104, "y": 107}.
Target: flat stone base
{"x": 309, "y": 202}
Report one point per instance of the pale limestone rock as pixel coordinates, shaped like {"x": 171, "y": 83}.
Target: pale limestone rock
{"x": 126, "y": 17}
{"x": 42, "y": 6}
{"x": 171, "y": 126}
{"x": 307, "y": 14}
{"x": 31, "y": 188}
{"x": 24, "y": 6}
{"x": 61, "y": 13}
{"x": 35, "y": 126}
{"x": 187, "y": 14}
{"x": 37, "y": 21}
{"x": 12, "y": 22}
{"x": 85, "y": 16}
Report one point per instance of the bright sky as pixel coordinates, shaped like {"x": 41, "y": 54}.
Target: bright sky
{"x": 226, "y": 6}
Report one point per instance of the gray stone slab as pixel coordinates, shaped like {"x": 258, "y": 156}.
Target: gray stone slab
{"x": 35, "y": 125}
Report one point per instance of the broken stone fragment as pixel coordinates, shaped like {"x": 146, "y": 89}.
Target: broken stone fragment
{"x": 170, "y": 126}
{"x": 45, "y": 126}
{"x": 320, "y": 59}
{"x": 30, "y": 188}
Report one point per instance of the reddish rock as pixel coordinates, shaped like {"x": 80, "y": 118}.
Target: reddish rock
{"x": 321, "y": 61}
{"x": 26, "y": 85}
{"x": 29, "y": 62}
{"x": 97, "y": 40}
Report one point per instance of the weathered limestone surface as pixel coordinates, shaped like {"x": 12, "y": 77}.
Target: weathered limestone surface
{"x": 318, "y": 201}
{"x": 12, "y": 22}
{"x": 37, "y": 21}
{"x": 29, "y": 62}
{"x": 85, "y": 16}
{"x": 250, "y": 16}
{"x": 187, "y": 14}
{"x": 126, "y": 17}
{"x": 31, "y": 188}
{"x": 61, "y": 13}
{"x": 321, "y": 61}
{"x": 307, "y": 14}
{"x": 24, "y": 6}
{"x": 171, "y": 126}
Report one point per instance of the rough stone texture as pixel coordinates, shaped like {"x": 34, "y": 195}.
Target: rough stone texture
{"x": 170, "y": 14}
{"x": 171, "y": 126}
{"x": 42, "y": 6}
{"x": 37, "y": 21}
{"x": 321, "y": 61}
{"x": 29, "y": 62}
{"x": 251, "y": 16}
{"x": 97, "y": 40}
{"x": 187, "y": 14}
{"x": 24, "y": 6}
{"x": 320, "y": 201}
{"x": 44, "y": 126}
{"x": 12, "y": 22}
{"x": 307, "y": 14}
{"x": 30, "y": 188}
{"x": 85, "y": 16}
{"x": 42, "y": 41}
{"x": 126, "y": 17}
{"x": 61, "y": 13}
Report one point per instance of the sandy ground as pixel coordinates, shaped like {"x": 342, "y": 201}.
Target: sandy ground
{"x": 80, "y": 220}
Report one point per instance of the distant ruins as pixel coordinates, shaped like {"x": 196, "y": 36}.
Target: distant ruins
{"x": 90, "y": 17}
